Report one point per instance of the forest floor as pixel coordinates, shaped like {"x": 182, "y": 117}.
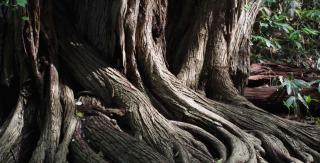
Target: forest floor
{"x": 264, "y": 90}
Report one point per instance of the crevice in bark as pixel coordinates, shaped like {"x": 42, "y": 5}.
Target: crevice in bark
{"x": 81, "y": 152}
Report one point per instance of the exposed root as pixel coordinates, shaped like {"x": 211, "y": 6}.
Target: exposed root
{"x": 81, "y": 152}
{"x": 211, "y": 110}
{"x": 12, "y": 128}
{"x": 115, "y": 145}
{"x": 50, "y": 134}
{"x": 68, "y": 106}
{"x": 201, "y": 111}
{"x": 121, "y": 61}
{"x": 146, "y": 123}
{"x": 16, "y": 132}
{"x": 69, "y": 124}
{"x": 213, "y": 143}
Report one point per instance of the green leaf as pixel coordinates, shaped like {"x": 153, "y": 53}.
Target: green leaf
{"x": 265, "y": 11}
{"x": 264, "y": 41}
{"x": 281, "y": 79}
{"x": 298, "y": 45}
{"x": 296, "y": 35}
{"x": 308, "y": 99}
{"x": 22, "y": 3}
{"x": 310, "y": 14}
{"x": 289, "y": 89}
{"x": 219, "y": 161}
{"x": 309, "y": 31}
{"x": 284, "y": 26}
{"x": 301, "y": 99}
{"x": 290, "y": 101}
{"x": 25, "y": 18}
{"x": 301, "y": 83}
{"x": 290, "y": 76}
{"x": 265, "y": 25}
{"x": 79, "y": 114}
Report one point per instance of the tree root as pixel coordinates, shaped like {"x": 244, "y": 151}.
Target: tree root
{"x": 213, "y": 143}
{"x": 16, "y": 133}
{"x": 145, "y": 121}
{"x": 117, "y": 146}
{"x": 50, "y": 134}
{"x": 195, "y": 109}
{"x": 81, "y": 152}
{"x": 138, "y": 110}
{"x": 69, "y": 124}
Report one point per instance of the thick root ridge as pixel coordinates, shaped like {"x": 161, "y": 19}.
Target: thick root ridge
{"x": 195, "y": 107}
{"x": 81, "y": 152}
{"x": 50, "y": 134}
{"x": 117, "y": 146}
{"x": 69, "y": 123}
{"x": 212, "y": 118}
{"x": 217, "y": 147}
{"x": 16, "y": 143}
{"x": 146, "y": 123}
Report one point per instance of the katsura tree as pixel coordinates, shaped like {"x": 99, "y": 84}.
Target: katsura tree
{"x": 136, "y": 81}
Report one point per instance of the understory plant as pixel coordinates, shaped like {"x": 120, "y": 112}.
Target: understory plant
{"x": 295, "y": 98}
{"x": 287, "y": 32}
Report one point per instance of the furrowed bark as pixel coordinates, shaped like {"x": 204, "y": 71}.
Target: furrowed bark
{"x": 239, "y": 49}
{"x": 31, "y": 34}
{"x": 145, "y": 122}
{"x": 136, "y": 68}
{"x": 81, "y": 152}
{"x": 50, "y": 130}
{"x": 160, "y": 80}
{"x": 215, "y": 144}
{"x": 10, "y": 44}
{"x": 115, "y": 145}
{"x": 17, "y": 132}
{"x": 69, "y": 123}
{"x": 192, "y": 40}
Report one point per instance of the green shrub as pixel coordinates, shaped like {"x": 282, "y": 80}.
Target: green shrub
{"x": 287, "y": 32}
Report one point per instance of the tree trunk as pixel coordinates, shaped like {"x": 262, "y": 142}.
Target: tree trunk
{"x": 136, "y": 81}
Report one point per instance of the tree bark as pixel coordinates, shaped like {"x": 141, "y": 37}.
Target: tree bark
{"x": 137, "y": 81}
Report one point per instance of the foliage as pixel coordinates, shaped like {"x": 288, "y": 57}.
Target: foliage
{"x": 14, "y": 5}
{"x": 22, "y": 3}
{"x": 293, "y": 88}
{"x": 18, "y": 3}
{"x": 219, "y": 161}
{"x": 79, "y": 114}
{"x": 287, "y": 32}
